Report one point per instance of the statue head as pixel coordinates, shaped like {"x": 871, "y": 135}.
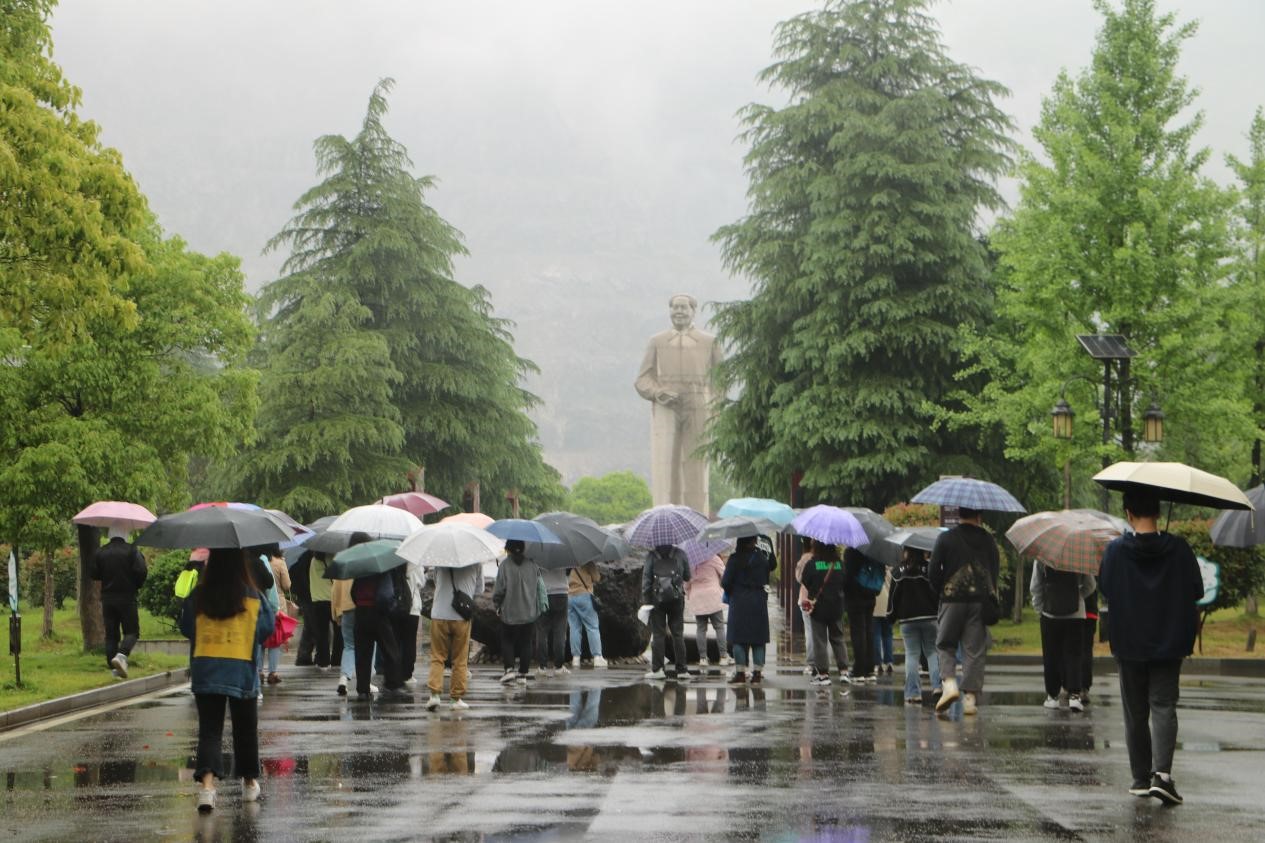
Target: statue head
{"x": 682, "y": 307}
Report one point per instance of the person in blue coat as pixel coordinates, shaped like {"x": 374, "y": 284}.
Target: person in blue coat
{"x": 1152, "y": 582}
{"x": 226, "y": 617}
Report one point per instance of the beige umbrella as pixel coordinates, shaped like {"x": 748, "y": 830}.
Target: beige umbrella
{"x": 1176, "y": 482}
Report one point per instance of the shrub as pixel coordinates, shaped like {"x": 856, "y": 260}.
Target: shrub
{"x": 65, "y": 577}
{"x": 913, "y": 515}
{"x": 158, "y": 594}
{"x": 1242, "y": 568}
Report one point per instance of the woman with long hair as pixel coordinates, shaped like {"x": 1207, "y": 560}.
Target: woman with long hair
{"x": 226, "y": 618}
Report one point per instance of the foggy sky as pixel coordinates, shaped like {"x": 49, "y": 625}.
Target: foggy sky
{"x": 586, "y": 149}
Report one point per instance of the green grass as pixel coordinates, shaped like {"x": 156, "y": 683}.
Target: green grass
{"x": 59, "y": 666}
{"x": 1224, "y": 636}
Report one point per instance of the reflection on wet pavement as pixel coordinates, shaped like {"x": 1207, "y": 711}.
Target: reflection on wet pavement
{"x": 607, "y": 755}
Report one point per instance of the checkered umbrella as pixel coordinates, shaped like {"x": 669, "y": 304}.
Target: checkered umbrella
{"x": 1066, "y": 541}
{"x": 970, "y": 493}
{"x": 666, "y": 524}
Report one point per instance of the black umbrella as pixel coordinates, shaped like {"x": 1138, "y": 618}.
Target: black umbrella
{"x": 215, "y": 526}
{"x": 877, "y": 528}
{"x": 364, "y": 560}
{"x": 1241, "y": 528}
{"x": 582, "y": 541}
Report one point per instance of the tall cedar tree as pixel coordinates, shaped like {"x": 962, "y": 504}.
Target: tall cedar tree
{"x": 1116, "y": 232}
{"x": 374, "y": 357}
{"x": 1249, "y": 275}
{"x": 861, "y": 245}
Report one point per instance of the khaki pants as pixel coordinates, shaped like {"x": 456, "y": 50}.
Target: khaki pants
{"x": 449, "y": 638}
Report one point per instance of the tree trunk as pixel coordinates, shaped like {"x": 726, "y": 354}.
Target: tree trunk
{"x": 1250, "y": 606}
{"x": 88, "y": 594}
{"x": 1017, "y": 613}
{"x": 47, "y": 631}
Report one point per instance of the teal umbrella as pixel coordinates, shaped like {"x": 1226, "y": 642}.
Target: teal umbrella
{"x": 775, "y": 511}
{"x": 365, "y": 560}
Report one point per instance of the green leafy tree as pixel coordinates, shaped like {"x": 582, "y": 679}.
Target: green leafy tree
{"x": 610, "y": 499}
{"x": 1116, "y": 232}
{"x": 421, "y": 371}
{"x": 861, "y": 246}
{"x": 1248, "y": 277}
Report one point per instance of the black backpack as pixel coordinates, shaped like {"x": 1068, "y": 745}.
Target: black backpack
{"x": 1062, "y": 592}
{"x": 668, "y": 586}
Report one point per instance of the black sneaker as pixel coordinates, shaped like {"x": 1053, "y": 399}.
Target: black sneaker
{"x": 1165, "y": 791}
{"x": 756, "y": 677}
{"x": 1140, "y": 787}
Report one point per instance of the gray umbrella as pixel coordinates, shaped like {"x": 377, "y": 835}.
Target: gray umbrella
{"x": 919, "y": 538}
{"x": 738, "y": 527}
{"x": 1241, "y": 528}
{"x": 215, "y": 526}
{"x": 582, "y": 540}
{"x": 877, "y": 528}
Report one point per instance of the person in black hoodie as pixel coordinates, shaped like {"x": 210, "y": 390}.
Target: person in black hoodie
{"x": 913, "y": 603}
{"x": 122, "y": 571}
{"x": 1152, "y": 582}
{"x": 963, "y": 570}
{"x": 858, "y": 601}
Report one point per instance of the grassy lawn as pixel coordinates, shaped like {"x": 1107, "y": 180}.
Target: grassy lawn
{"x": 1224, "y": 636}
{"x": 58, "y": 667}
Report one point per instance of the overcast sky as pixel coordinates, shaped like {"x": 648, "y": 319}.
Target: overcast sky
{"x": 586, "y": 149}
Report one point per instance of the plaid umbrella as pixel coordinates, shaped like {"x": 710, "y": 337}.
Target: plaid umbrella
{"x": 1066, "y": 541}
{"x": 970, "y": 493}
{"x": 831, "y": 524}
{"x": 666, "y": 524}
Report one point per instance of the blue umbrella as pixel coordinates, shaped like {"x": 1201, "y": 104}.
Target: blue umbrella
{"x": 520, "y": 529}
{"x": 665, "y": 524}
{"x": 775, "y": 511}
{"x": 970, "y": 493}
{"x": 830, "y": 524}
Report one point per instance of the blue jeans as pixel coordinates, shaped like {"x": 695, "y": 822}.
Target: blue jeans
{"x": 274, "y": 659}
{"x": 582, "y": 617}
{"x": 920, "y": 640}
{"x": 347, "y": 622}
{"x": 757, "y": 655}
{"x": 882, "y": 642}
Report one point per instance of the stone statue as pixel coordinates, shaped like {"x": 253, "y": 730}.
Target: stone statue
{"x": 676, "y": 376}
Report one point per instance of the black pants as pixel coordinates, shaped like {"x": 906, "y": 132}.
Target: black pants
{"x": 320, "y": 620}
{"x": 861, "y": 631}
{"x": 665, "y": 618}
{"x": 1087, "y": 654}
{"x": 307, "y": 639}
{"x": 374, "y": 627}
{"x": 120, "y": 616}
{"x": 516, "y": 645}
{"x": 211, "y": 736}
{"x": 1148, "y": 697}
{"x": 551, "y": 633}
{"x": 405, "y": 627}
{"x": 1062, "y": 654}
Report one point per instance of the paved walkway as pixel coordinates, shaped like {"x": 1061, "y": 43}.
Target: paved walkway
{"x": 603, "y": 755}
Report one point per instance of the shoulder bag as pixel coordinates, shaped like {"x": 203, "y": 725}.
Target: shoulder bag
{"x": 462, "y": 603}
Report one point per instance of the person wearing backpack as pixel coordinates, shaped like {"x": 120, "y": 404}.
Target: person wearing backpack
{"x": 746, "y": 582}
{"x": 1059, "y": 597}
{"x": 912, "y": 603}
{"x": 821, "y": 599}
{"x": 663, "y": 578}
{"x": 516, "y": 596}
{"x": 860, "y": 589}
{"x": 376, "y": 599}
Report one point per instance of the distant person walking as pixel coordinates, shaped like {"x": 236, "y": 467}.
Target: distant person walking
{"x": 746, "y": 581}
{"x": 227, "y": 618}
{"x": 122, "y": 571}
{"x": 964, "y": 568}
{"x": 912, "y": 603}
{"x": 663, "y": 578}
{"x": 705, "y": 602}
{"x": 1059, "y": 598}
{"x": 1152, "y": 582}
{"x": 582, "y": 614}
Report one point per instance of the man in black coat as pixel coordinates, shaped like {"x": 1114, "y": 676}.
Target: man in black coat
{"x": 1151, "y": 581}
{"x": 122, "y": 571}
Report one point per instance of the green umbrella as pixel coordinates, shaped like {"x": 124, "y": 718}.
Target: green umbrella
{"x": 365, "y": 560}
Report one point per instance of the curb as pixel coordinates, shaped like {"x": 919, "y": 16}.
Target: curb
{"x": 90, "y": 699}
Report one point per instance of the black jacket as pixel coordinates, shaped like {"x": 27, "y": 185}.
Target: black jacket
{"x": 1151, "y": 582}
{"x": 954, "y": 550}
{"x": 823, "y": 580}
{"x": 855, "y": 594}
{"x": 912, "y": 597}
{"x": 746, "y": 575}
{"x": 121, "y": 569}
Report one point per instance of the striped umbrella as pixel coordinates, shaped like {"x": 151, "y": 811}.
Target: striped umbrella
{"x": 666, "y": 524}
{"x": 1066, "y": 541}
{"x": 969, "y": 493}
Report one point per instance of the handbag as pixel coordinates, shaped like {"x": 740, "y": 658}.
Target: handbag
{"x": 462, "y": 603}
{"x": 590, "y": 587}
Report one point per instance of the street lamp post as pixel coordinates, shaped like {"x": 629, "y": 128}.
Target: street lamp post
{"x": 1112, "y": 350}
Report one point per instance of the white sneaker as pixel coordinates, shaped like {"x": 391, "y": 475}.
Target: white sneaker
{"x": 460, "y": 705}
{"x": 1074, "y": 703}
{"x": 950, "y": 694}
{"x": 968, "y": 704}
{"x": 809, "y": 670}
{"x": 250, "y": 791}
{"x": 575, "y": 663}
{"x": 1051, "y": 702}
{"x": 522, "y": 678}
{"x": 373, "y": 689}
{"x": 656, "y": 675}
{"x": 343, "y": 682}
{"x": 119, "y": 663}
{"x": 509, "y": 677}
{"x": 564, "y": 671}
{"x": 206, "y": 800}
{"x": 599, "y": 662}
{"x": 411, "y": 682}
{"x": 727, "y": 661}
{"x": 433, "y": 703}
{"x": 115, "y": 673}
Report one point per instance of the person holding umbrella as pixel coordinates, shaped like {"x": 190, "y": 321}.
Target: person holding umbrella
{"x": 516, "y": 598}
{"x": 704, "y": 600}
{"x": 226, "y": 618}
{"x": 1059, "y": 598}
{"x": 121, "y": 569}
{"x": 746, "y": 581}
{"x": 450, "y": 632}
{"x": 821, "y": 599}
{"x": 375, "y": 599}
{"x": 663, "y": 578}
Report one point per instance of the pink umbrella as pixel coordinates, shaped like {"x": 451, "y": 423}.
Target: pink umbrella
{"x": 417, "y": 503}
{"x": 107, "y": 514}
{"x": 474, "y": 519}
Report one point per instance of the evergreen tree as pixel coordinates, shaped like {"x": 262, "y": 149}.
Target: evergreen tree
{"x": 1116, "y": 233}
{"x": 1248, "y": 275}
{"x": 861, "y": 245}
{"x": 416, "y": 369}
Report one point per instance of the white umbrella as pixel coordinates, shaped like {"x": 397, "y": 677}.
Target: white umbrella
{"x": 1175, "y": 481}
{"x": 378, "y": 520}
{"x": 451, "y": 545}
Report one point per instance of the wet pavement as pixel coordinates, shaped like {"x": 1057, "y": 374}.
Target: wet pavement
{"x": 603, "y": 755}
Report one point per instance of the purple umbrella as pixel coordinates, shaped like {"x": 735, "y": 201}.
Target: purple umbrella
{"x": 830, "y": 524}
{"x": 699, "y": 551}
{"x": 666, "y": 524}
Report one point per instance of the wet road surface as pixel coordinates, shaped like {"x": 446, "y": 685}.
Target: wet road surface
{"x": 603, "y": 755}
